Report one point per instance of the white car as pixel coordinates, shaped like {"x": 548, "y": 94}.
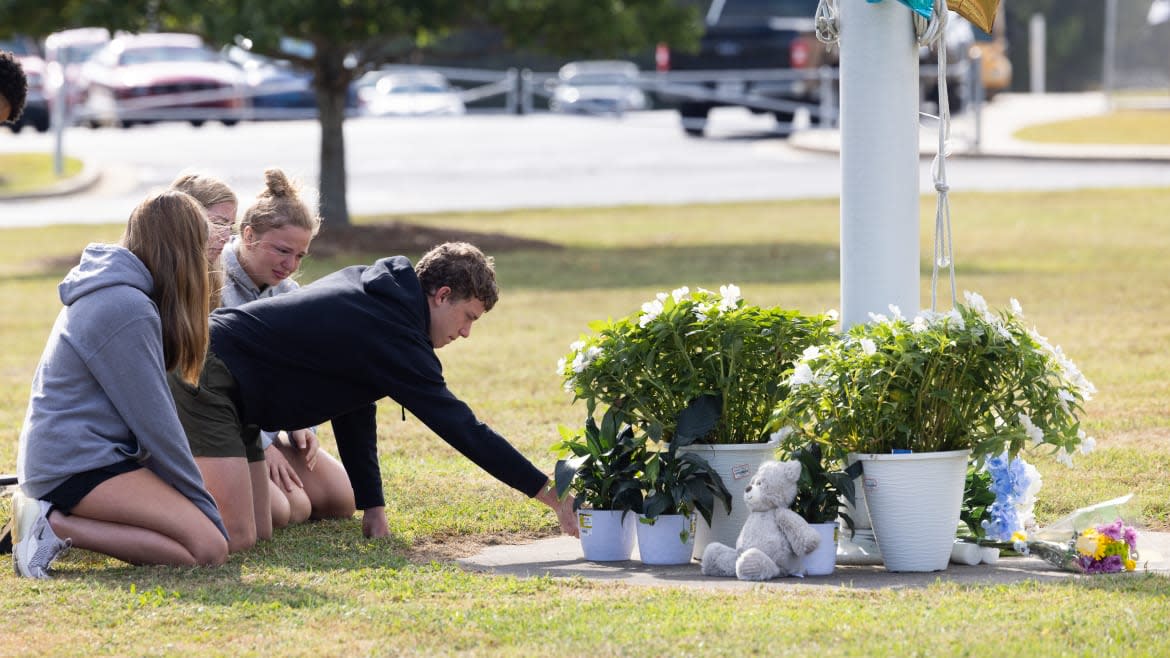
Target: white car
{"x": 598, "y": 87}
{"x": 407, "y": 93}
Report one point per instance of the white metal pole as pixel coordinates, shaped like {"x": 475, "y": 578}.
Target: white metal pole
{"x": 879, "y": 160}
{"x": 1107, "y": 81}
{"x": 1036, "y": 47}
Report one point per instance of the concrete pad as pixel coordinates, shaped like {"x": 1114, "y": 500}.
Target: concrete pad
{"x": 561, "y": 557}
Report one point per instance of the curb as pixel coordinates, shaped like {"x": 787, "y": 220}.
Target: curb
{"x": 87, "y": 178}
{"x": 819, "y": 140}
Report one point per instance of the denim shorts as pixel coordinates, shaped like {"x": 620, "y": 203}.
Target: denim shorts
{"x": 210, "y": 415}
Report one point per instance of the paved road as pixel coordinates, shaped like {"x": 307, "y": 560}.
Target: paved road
{"x": 499, "y": 162}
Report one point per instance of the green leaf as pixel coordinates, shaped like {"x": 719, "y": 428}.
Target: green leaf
{"x": 697, "y": 420}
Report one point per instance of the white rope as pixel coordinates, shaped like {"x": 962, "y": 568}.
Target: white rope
{"x": 943, "y": 244}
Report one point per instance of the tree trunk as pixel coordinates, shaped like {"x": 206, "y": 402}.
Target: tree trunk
{"x": 331, "y": 83}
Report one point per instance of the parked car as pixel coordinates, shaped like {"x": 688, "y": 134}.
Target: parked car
{"x": 274, "y": 85}
{"x": 407, "y": 92}
{"x": 66, "y": 52}
{"x": 143, "y": 78}
{"x": 36, "y": 108}
{"x": 753, "y": 36}
{"x": 598, "y": 87}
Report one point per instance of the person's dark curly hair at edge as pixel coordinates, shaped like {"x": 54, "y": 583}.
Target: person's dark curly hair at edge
{"x": 13, "y": 87}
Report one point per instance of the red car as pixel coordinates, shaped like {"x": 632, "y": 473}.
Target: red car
{"x": 144, "y": 78}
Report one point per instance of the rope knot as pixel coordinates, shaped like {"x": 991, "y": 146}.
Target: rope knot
{"x": 941, "y": 186}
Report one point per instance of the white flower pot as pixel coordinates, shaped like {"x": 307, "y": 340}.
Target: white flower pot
{"x": 605, "y": 535}
{"x": 822, "y": 561}
{"x": 914, "y": 501}
{"x": 736, "y": 464}
{"x": 666, "y": 539}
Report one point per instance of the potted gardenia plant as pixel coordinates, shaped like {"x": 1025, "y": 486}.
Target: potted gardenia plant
{"x": 676, "y": 486}
{"x": 820, "y": 491}
{"x": 698, "y": 349}
{"x": 602, "y": 465}
{"x": 900, "y": 394}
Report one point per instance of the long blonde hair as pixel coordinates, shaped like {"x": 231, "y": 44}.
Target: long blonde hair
{"x": 168, "y": 232}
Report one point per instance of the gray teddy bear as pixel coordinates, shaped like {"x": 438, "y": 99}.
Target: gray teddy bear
{"x": 774, "y": 539}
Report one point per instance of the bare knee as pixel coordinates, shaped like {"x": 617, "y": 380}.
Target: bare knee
{"x": 299, "y": 506}
{"x": 212, "y": 552}
{"x": 336, "y": 508}
{"x": 241, "y": 537}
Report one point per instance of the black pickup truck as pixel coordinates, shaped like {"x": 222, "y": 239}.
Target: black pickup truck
{"x": 759, "y": 54}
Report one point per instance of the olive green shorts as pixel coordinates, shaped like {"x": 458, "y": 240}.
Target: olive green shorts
{"x": 210, "y": 417}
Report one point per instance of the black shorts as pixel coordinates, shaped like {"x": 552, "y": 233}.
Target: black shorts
{"x": 68, "y": 494}
{"x": 210, "y": 416}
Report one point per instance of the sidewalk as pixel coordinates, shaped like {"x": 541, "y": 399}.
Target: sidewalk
{"x": 561, "y": 557}
{"x": 1002, "y": 117}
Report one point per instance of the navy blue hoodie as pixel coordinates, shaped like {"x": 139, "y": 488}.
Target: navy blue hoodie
{"x": 332, "y": 349}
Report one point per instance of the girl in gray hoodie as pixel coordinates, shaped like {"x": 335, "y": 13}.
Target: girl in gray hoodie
{"x": 103, "y": 462}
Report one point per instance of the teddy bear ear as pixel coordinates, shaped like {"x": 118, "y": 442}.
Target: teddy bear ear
{"x": 791, "y": 470}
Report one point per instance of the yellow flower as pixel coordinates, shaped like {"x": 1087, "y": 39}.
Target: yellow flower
{"x": 1089, "y": 544}
{"x": 1130, "y": 565}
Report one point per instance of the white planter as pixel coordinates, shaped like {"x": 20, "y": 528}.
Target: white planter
{"x": 857, "y": 546}
{"x": 605, "y": 535}
{"x": 666, "y": 539}
{"x": 822, "y": 561}
{"x": 914, "y": 501}
{"x": 736, "y": 464}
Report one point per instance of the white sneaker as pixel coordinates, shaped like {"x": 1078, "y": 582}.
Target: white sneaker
{"x": 34, "y": 544}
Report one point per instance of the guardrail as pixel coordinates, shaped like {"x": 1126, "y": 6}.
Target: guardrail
{"x": 759, "y": 90}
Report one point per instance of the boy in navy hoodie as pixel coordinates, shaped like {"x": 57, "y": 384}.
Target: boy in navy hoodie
{"x": 332, "y": 349}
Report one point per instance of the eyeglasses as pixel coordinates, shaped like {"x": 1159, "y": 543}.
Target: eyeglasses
{"x": 219, "y": 221}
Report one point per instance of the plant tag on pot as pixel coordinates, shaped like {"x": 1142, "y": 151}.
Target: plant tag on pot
{"x": 585, "y": 523}
{"x": 741, "y": 471}
{"x": 870, "y": 484}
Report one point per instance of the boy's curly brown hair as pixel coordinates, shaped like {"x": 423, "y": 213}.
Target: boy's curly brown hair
{"x": 463, "y": 268}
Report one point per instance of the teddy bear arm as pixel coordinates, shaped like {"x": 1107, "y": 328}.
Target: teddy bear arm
{"x": 799, "y": 533}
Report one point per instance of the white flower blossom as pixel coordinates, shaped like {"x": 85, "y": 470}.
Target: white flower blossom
{"x": 919, "y": 325}
{"x": 577, "y": 345}
{"x": 810, "y": 352}
{"x": 957, "y": 318}
{"x": 730, "y": 294}
{"x": 1088, "y": 443}
{"x": 896, "y": 311}
{"x": 802, "y": 374}
{"x": 561, "y": 363}
{"x": 975, "y": 301}
{"x": 679, "y": 293}
{"x": 702, "y": 311}
{"x": 832, "y": 314}
{"x": 1017, "y": 310}
{"x": 781, "y": 434}
{"x": 868, "y": 347}
{"x": 1064, "y": 457}
{"x": 1034, "y": 433}
{"x": 650, "y": 310}
{"x": 878, "y": 318}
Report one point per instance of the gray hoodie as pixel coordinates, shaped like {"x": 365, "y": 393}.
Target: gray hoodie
{"x": 100, "y": 394}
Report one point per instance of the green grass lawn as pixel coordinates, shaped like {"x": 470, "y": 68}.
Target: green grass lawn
{"x": 1121, "y": 127}
{"x": 1088, "y": 268}
{"x": 27, "y": 172}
